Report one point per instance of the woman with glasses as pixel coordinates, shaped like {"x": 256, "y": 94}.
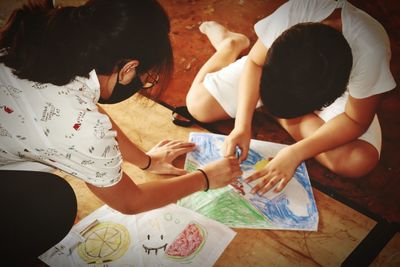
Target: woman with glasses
{"x": 56, "y": 64}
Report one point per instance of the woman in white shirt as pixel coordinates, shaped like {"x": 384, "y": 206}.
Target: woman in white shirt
{"x": 56, "y": 64}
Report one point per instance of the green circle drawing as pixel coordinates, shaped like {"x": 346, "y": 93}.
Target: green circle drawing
{"x": 168, "y": 216}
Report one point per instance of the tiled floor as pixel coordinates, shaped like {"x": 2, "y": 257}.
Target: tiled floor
{"x": 376, "y": 192}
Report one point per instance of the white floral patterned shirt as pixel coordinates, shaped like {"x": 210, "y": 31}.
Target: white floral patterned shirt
{"x": 57, "y": 126}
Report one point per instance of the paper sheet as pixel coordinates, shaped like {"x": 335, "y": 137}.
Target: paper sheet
{"x": 292, "y": 209}
{"x": 112, "y": 242}
{"x": 168, "y": 236}
{"x": 176, "y": 236}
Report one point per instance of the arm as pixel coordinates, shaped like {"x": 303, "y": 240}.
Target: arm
{"x": 161, "y": 156}
{"x": 129, "y": 198}
{"x": 130, "y": 152}
{"x": 249, "y": 85}
{"x": 341, "y": 130}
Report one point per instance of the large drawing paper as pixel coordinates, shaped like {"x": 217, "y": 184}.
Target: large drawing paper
{"x": 176, "y": 236}
{"x": 292, "y": 209}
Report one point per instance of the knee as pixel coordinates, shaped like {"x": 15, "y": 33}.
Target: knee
{"x": 358, "y": 163}
{"x": 191, "y": 102}
{"x": 199, "y": 106}
{"x": 195, "y": 105}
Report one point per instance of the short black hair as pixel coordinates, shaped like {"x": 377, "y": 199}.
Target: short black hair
{"x": 307, "y": 68}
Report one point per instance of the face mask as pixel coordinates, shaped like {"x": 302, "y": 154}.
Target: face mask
{"x": 123, "y": 91}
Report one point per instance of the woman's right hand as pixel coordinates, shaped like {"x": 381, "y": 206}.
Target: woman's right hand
{"x": 222, "y": 172}
{"x": 237, "y": 138}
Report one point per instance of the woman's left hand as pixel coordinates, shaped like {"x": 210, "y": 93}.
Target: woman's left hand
{"x": 278, "y": 172}
{"x": 164, "y": 153}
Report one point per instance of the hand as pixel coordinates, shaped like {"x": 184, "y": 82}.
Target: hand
{"x": 237, "y": 138}
{"x": 278, "y": 171}
{"x": 164, "y": 153}
{"x": 222, "y": 172}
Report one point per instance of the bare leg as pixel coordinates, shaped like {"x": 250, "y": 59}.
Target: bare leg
{"x": 354, "y": 159}
{"x": 228, "y": 45}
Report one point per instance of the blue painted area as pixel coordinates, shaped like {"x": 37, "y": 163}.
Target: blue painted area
{"x": 208, "y": 151}
{"x": 277, "y": 209}
{"x": 252, "y": 158}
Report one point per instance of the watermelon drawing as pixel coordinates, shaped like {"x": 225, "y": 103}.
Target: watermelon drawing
{"x": 187, "y": 244}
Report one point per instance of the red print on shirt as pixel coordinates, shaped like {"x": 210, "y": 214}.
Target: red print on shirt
{"x": 8, "y": 109}
{"x": 77, "y": 126}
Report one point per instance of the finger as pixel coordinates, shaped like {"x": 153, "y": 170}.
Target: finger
{"x": 269, "y": 185}
{"x": 233, "y": 180}
{"x": 258, "y": 186}
{"x": 282, "y": 184}
{"x": 243, "y": 156}
{"x": 163, "y": 142}
{"x": 233, "y": 161}
{"x": 256, "y": 175}
{"x": 229, "y": 150}
{"x": 224, "y": 147}
{"x": 182, "y": 144}
{"x": 236, "y": 169}
{"x": 180, "y": 151}
{"x": 174, "y": 142}
{"x": 238, "y": 173}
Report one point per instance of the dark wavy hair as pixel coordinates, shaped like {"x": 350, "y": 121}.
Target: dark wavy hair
{"x": 54, "y": 45}
{"x": 307, "y": 68}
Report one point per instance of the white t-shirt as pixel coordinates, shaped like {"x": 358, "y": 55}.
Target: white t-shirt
{"x": 367, "y": 38}
{"x": 45, "y": 125}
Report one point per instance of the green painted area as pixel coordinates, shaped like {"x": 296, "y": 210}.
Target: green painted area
{"x": 226, "y": 206}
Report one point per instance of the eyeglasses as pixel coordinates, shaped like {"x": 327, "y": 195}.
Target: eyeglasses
{"x": 149, "y": 79}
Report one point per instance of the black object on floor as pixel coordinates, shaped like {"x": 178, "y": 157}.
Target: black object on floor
{"x": 39, "y": 210}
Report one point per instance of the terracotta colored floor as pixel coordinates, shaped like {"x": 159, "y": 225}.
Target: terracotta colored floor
{"x": 377, "y": 192}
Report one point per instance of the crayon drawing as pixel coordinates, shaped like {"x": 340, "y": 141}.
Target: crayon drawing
{"x": 168, "y": 236}
{"x": 187, "y": 244}
{"x": 292, "y": 209}
{"x": 103, "y": 238}
{"x": 226, "y": 206}
{"x": 175, "y": 236}
{"x": 106, "y": 242}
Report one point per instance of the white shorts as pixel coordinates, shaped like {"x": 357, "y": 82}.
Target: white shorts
{"x": 223, "y": 86}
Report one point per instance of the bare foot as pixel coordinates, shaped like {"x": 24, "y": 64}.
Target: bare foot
{"x": 219, "y": 35}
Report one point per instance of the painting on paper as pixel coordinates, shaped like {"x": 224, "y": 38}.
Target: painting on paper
{"x": 292, "y": 209}
{"x": 176, "y": 236}
{"x": 168, "y": 236}
{"x": 104, "y": 238}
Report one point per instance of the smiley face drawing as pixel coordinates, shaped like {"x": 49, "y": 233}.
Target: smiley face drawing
{"x": 154, "y": 240}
